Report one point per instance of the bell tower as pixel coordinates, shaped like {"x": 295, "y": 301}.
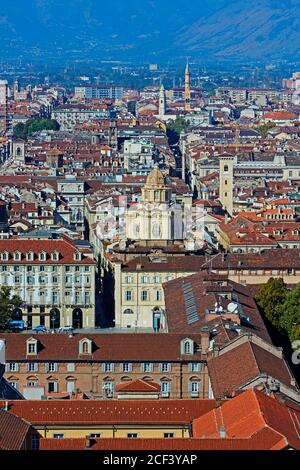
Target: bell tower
{"x": 187, "y": 88}
{"x": 162, "y": 101}
{"x": 226, "y": 182}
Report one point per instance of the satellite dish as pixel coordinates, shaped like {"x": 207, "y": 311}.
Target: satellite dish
{"x": 232, "y": 307}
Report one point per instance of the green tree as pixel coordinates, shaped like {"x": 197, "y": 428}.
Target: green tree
{"x": 290, "y": 319}
{"x": 20, "y": 131}
{"x": 270, "y": 298}
{"x": 264, "y": 129}
{"x": 8, "y": 303}
{"x": 41, "y": 125}
{"x": 175, "y": 128}
{"x": 23, "y": 131}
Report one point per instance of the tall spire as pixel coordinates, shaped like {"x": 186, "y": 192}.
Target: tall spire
{"x": 162, "y": 101}
{"x": 187, "y": 87}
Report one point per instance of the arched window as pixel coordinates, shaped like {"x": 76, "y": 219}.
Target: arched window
{"x": 30, "y": 256}
{"x": 85, "y": 346}
{"x": 43, "y": 256}
{"x": 128, "y": 311}
{"x": 5, "y": 256}
{"x": 55, "y": 256}
{"x": 226, "y": 168}
{"x": 187, "y": 346}
{"x": 17, "y": 256}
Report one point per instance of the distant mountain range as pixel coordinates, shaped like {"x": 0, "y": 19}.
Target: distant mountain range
{"x": 115, "y": 29}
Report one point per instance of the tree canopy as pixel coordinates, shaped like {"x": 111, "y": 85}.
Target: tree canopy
{"x": 290, "y": 318}
{"x": 23, "y": 131}
{"x": 265, "y": 128}
{"x": 281, "y": 307}
{"x": 174, "y": 130}
{"x": 8, "y": 303}
{"x": 270, "y": 299}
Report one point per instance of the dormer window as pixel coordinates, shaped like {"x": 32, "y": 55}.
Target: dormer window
{"x": 17, "y": 256}
{"x": 31, "y": 345}
{"x": 77, "y": 256}
{"x": 187, "y": 346}
{"x": 30, "y": 256}
{"x": 55, "y": 256}
{"x": 5, "y": 256}
{"x": 85, "y": 346}
{"x": 43, "y": 256}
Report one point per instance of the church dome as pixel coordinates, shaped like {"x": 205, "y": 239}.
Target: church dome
{"x": 155, "y": 179}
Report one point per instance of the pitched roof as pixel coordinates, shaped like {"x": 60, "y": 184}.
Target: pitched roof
{"x": 124, "y": 347}
{"x": 65, "y": 247}
{"x": 110, "y": 411}
{"x": 238, "y": 365}
{"x": 248, "y": 414}
{"x": 268, "y": 259}
{"x": 13, "y": 431}
{"x": 263, "y": 440}
{"x": 280, "y": 115}
{"x": 202, "y": 291}
{"x": 138, "y": 386}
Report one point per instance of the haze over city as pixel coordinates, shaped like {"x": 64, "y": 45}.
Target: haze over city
{"x": 149, "y": 230}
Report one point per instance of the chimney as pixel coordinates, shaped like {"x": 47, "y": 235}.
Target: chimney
{"x": 205, "y": 336}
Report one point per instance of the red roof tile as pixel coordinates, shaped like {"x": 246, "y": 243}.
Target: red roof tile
{"x": 106, "y": 347}
{"x": 13, "y": 431}
{"x": 263, "y": 440}
{"x": 110, "y": 411}
{"x": 248, "y": 414}
{"x": 239, "y": 365}
{"x": 138, "y": 386}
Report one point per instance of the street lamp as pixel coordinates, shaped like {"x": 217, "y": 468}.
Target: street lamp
{"x": 53, "y": 320}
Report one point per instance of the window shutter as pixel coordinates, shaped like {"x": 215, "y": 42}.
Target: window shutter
{"x": 7, "y": 367}
{"x": 46, "y": 367}
{"x": 55, "y": 387}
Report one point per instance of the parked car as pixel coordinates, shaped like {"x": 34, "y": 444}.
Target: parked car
{"x": 66, "y": 329}
{"x": 16, "y": 325}
{"x": 40, "y": 329}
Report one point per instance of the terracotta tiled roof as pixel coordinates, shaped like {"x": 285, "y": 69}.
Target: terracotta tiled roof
{"x": 66, "y": 249}
{"x": 239, "y": 365}
{"x": 172, "y": 264}
{"x": 110, "y": 411}
{"x": 280, "y": 115}
{"x": 138, "y": 386}
{"x": 13, "y": 431}
{"x": 206, "y": 293}
{"x": 268, "y": 259}
{"x": 263, "y": 440}
{"x": 248, "y": 414}
{"x": 106, "y": 347}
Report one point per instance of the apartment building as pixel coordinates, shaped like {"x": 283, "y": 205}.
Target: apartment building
{"x": 99, "y": 92}
{"x": 101, "y": 365}
{"x": 138, "y": 288}
{"x": 69, "y": 115}
{"x": 54, "y": 276}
